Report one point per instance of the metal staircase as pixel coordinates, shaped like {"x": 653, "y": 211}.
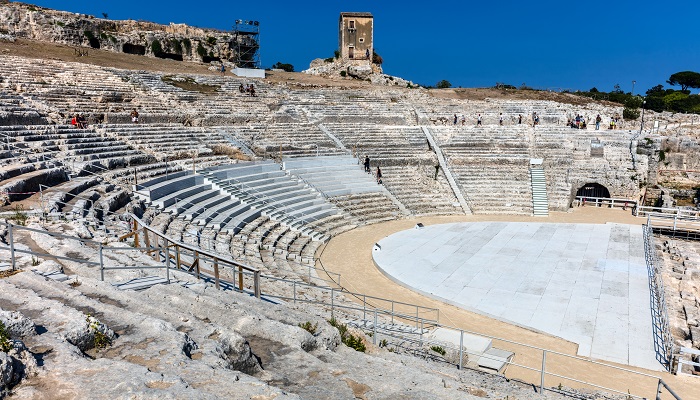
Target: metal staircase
{"x": 538, "y": 182}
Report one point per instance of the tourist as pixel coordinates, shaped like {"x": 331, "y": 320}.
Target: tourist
{"x": 464, "y": 120}
{"x": 500, "y": 119}
{"x": 74, "y": 120}
{"x": 223, "y": 69}
{"x": 241, "y": 88}
{"x": 81, "y": 122}
{"x": 520, "y": 119}
{"x": 379, "y": 175}
{"x": 478, "y": 120}
{"x": 597, "y": 122}
{"x": 367, "y": 170}
{"x": 612, "y": 124}
{"x": 135, "y": 116}
{"x": 578, "y": 121}
{"x": 454, "y": 122}
{"x": 252, "y": 90}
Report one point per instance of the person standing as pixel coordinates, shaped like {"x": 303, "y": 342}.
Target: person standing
{"x": 455, "y": 120}
{"x": 367, "y": 164}
{"x": 478, "y": 120}
{"x": 379, "y": 175}
{"x": 223, "y": 69}
{"x": 520, "y": 119}
{"x": 597, "y": 122}
{"x": 500, "y": 119}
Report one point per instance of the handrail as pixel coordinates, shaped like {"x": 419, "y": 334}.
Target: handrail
{"x": 197, "y": 253}
{"x": 600, "y": 201}
{"x": 661, "y": 324}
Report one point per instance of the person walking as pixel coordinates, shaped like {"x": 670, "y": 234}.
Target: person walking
{"x": 478, "y": 120}
{"x": 367, "y": 164}
{"x": 379, "y": 175}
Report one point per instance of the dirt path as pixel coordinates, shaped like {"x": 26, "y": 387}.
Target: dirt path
{"x": 349, "y": 254}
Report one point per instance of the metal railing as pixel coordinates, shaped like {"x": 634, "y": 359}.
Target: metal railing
{"x": 186, "y": 257}
{"x": 605, "y": 201}
{"x": 663, "y": 340}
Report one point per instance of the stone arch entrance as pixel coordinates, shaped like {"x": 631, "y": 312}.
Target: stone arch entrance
{"x": 593, "y": 190}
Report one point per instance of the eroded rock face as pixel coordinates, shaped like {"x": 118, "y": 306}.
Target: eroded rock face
{"x": 16, "y": 324}
{"x": 15, "y": 365}
{"x": 174, "y": 41}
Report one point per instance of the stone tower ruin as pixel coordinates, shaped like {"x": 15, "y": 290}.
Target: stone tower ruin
{"x": 355, "y": 36}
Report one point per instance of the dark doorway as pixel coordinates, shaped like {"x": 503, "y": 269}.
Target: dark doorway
{"x": 171, "y": 56}
{"x": 208, "y": 59}
{"x": 134, "y": 49}
{"x": 593, "y": 190}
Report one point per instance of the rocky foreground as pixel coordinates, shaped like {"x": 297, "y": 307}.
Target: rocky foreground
{"x": 82, "y": 338}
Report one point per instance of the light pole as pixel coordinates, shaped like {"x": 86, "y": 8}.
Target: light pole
{"x": 642, "y": 127}
{"x": 633, "y": 83}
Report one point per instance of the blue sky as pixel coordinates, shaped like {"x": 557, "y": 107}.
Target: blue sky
{"x": 545, "y": 44}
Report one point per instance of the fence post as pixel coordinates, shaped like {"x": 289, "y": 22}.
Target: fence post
{"x": 392, "y": 312}
{"x": 102, "y": 265}
{"x": 421, "y": 332}
{"x": 544, "y": 362}
{"x": 12, "y": 247}
{"x": 461, "y": 349}
{"x": 675, "y": 219}
{"x": 294, "y": 292}
{"x": 332, "y": 303}
{"x": 256, "y": 284}
{"x": 374, "y": 328}
{"x": 364, "y": 307}
{"x": 166, "y": 253}
{"x": 216, "y": 274}
{"x": 240, "y": 278}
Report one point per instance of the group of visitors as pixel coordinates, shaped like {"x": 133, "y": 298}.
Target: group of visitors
{"x": 249, "y": 88}
{"x": 580, "y": 122}
{"x": 457, "y": 119}
{"x": 79, "y": 121}
{"x": 368, "y": 170}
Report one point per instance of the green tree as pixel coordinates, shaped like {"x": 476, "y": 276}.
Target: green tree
{"x": 685, "y": 79}
{"x": 443, "y": 84}
{"x": 674, "y": 101}
{"x": 286, "y": 67}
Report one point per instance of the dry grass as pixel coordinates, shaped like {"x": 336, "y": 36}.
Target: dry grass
{"x": 231, "y": 152}
{"x": 189, "y": 84}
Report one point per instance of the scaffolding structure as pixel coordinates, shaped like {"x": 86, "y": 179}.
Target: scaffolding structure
{"x": 246, "y": 35}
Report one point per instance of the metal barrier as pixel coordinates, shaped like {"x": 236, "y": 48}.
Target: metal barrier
{"x": 663, "y": 340}
{"x": 605, "y": 201}
{"x": 185, "y": 257}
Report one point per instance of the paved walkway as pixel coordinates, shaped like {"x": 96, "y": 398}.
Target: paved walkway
{"x": 586, "y": 283}
{"x": 350, "y": 254}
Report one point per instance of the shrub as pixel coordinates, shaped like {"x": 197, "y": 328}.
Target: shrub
{"x": 443, "y": 84}
{"x": 201, "y": 50}
{"x": 101, "y": 340}
{"x": 354, "y": 342}
{"x": 329, "y": 59}
{"x": 343, "y": 74}
{"x": 336, "y": 54}
{"x": 5, "y": 345}
{"x": 211, "y": 40}
{"x": 156, "y": 48}
{"x": 662, "y": 155}
{"x": 308, "y": 327}
{"x": 438, "y": 349}
{"x": 285, "y": 67}
{"x": 187, "y": 44}
{"x": 630, "y": 113}
{"x": 376, "y": 58}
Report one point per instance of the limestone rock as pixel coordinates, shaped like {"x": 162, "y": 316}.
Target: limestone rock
{"x": 15, "y": 365}
{"x": 360, "y": 71}
{"x": 16, "y": 324}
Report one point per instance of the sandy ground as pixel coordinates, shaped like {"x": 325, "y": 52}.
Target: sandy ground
{"x": 349, "y": 254}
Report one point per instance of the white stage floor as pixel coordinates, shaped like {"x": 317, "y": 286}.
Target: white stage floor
{"x": 585, "y": 283}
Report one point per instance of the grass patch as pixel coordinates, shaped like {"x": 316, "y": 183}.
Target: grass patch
{"x": 101, "y": 340}
{"x": 438, "y": 349}
{"x": 231, "y": 152}
{"x": 5, "y": 345}
{"x": 348, "y": 339}
{"x": 308, "y": 327}
{"x": 189, "y": 84}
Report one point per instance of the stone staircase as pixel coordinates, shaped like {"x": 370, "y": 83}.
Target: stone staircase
{"x": 540, "y": 207}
